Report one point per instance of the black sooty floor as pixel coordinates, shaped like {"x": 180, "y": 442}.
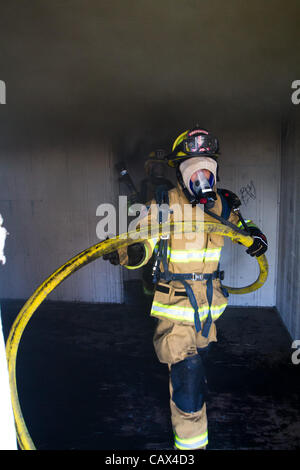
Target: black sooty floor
{"x": 88, "y": 378}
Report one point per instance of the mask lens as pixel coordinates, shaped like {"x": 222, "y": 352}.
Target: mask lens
{"x": 211, "y": 180}
{"x": 200, "y": 184}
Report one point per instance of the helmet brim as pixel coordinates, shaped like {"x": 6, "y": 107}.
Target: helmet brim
{"x": 174, "y": 160}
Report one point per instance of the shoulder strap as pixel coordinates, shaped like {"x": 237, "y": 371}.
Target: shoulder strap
{"x": 225, "y": 206}
{"x": 161, "y": 197}
{"x": 229, "y": 201}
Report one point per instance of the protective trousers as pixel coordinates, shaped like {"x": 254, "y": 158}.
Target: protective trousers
{"x": 181, "y": 347}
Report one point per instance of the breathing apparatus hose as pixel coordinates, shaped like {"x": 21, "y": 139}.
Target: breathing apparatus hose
{"x": 84, "y": 258}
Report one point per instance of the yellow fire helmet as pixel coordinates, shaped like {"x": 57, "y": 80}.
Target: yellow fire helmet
{"x": 193, "y": 143}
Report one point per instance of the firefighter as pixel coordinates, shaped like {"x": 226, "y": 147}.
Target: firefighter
{"x": 189, "y": 296}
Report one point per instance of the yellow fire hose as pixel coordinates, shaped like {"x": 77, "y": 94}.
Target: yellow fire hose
{"x": 82, "y": 259}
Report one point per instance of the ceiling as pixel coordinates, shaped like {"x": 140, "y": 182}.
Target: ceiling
{"x": 144, "y": 68}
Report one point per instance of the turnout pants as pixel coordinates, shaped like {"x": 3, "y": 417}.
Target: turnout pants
{"x": 181, "y": 348}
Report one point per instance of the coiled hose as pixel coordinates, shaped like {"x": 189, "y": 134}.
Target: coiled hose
{"x": 82, "y": 259}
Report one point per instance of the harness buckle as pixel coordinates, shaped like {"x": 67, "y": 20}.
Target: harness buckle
{"x": 197, "y": 277}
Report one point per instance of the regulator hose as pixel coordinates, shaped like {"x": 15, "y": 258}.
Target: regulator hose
{"x": 82, "y": 259}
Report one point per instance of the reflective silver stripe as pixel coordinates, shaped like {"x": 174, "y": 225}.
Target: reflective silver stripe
{"x": 175, "y": 312}
{"x": 193, "y": 443}
{"x": 186, "y": 313}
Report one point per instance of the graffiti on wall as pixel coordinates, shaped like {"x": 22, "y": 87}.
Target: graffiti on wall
{"x": 248, "y": 192}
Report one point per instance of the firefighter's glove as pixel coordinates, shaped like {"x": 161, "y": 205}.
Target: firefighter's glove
{"x": 135, "y": 253}
{"x": 260, "y": 244}
{"x": 112, "y": 257}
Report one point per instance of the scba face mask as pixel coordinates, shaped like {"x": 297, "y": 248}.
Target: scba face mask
{"x": 197, "y": 183}
{"x": 202, "y": 188}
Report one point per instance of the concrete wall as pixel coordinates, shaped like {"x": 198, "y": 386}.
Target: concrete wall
{"x": 288, "y": 279}
{"x": 250, "y": 166}
{"x": 49, "y": 194}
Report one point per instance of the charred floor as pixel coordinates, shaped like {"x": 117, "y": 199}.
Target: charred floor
{"x": 88, "y": 379}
